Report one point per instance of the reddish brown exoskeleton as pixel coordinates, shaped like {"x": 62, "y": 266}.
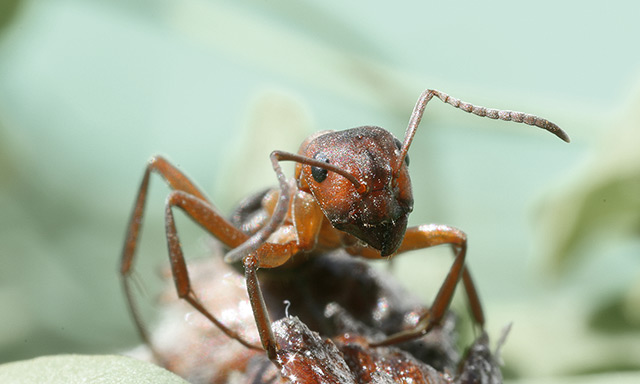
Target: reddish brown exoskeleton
{"x": 351, "y": 190}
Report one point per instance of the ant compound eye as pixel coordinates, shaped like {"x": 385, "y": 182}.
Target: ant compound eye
{"x": 319, "y": 174}
{"x": 399, "y": 146}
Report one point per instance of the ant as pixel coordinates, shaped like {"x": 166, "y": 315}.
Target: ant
{"x": 351, "y": 190}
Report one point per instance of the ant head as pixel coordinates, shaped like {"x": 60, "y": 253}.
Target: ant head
{"x": 364, "y": 189}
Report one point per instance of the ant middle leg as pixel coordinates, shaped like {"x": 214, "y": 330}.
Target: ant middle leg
{"x": 201, "y": 211}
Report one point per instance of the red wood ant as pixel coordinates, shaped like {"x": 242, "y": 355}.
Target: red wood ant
{"x": 351, "y": 190}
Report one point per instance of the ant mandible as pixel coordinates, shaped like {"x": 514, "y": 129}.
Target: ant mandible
{"x": 351, "y": 190}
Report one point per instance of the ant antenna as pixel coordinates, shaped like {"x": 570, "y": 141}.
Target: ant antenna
{"x": 287, "y": 156}
{"x": 518, "y": 117}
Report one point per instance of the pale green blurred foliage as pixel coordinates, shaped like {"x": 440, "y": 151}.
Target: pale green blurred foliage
{"x": 594, "y": 219}
{"x": 90, "y": 89}
{"x": 601, "y": 203}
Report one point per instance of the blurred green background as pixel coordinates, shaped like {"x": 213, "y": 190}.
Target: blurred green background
{"x": 89, "y": 90}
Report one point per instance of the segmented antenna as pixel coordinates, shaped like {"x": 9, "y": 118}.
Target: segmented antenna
{"x": 518, "y": 117}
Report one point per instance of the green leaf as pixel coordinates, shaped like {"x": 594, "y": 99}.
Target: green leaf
{"x": 96, "y": 369}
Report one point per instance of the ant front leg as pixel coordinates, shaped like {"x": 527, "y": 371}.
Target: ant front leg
{"x": 256, "y": 252}
{"x": 425, "y": 236}
{"x": 187, "y": 196}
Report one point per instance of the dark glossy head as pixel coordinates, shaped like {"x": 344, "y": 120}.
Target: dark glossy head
{"x": 375, "y": 213}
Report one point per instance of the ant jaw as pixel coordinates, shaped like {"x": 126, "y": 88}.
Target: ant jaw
{"x": 379, "y": 218}
{"x": 385, "y": 236}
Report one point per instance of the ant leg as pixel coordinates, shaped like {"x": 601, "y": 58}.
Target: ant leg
{"x": 177, "y": 181}
{"x": 263, "y": 321}
{"x": 203, "y": 214}
{"x": 256, "y": 248}
{"x": 255, "y": 252}
{"x": 227, "y": 233}
{"x": 425, "y": 236}
{"x": 428, "y": 236}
